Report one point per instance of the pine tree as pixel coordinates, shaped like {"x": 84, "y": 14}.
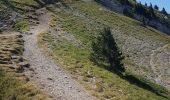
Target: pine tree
{"x": 164, "y": 11}
{"x": 139, "y": 8}
{"x": 104, "y": 48}
{"x": 156, "y": 7}
{"x": 151, "y": 11}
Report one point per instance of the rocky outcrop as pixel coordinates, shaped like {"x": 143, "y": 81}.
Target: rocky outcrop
{"x": 111, "y": 5}
{"x": 8, "y": 18}
{"x": 117, "y": 7}
{"x": 155, "y": 24}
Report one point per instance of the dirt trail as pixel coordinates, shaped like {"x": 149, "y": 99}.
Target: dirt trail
{"x": 45, "y": 72}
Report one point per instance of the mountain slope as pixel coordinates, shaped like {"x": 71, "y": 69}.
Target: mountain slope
{"x": 137, "y": 42}
{"x": 67, "y": 41}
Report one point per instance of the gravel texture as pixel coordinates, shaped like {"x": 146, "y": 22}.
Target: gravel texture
{"x": 44, "y": 72}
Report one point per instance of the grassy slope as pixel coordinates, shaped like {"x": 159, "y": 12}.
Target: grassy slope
{"x": 13, "y": 84}
{"x": 136, "y": 42}
{"x": 100, "y": 82}
{"x": 105, "y": 84}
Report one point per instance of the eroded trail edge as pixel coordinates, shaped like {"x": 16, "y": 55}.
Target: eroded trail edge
{"x": 44, "y": 71}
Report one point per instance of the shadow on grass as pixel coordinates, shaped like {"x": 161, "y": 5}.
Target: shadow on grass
{"x": 147, "y": 84}
{"x": 43, "y": 3}
{"x": 139, "y": 81}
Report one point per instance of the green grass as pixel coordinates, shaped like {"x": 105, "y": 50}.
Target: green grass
{"x": 21, "y": 26}
{"x": 12, "y": 88}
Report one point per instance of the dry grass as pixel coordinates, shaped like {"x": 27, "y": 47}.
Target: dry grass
{"x": 13, "y": 83}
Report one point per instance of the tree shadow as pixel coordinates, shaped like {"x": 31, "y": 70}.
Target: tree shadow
{"x": 43, "y": 3}
{"x": 147, "y": 84}
{"x": 138, "y": 81}
{"x": 105, "y": 66}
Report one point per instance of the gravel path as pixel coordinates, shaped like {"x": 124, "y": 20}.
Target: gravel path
{"x": 45, "y": 72}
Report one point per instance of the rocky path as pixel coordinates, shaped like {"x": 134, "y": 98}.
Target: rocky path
{"x": 45, "y": 72}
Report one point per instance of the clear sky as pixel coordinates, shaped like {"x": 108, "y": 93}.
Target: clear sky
{"x": 160, "y": 3}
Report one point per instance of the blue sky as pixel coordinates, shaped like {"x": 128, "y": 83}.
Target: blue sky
{"x": 160, "y": 3}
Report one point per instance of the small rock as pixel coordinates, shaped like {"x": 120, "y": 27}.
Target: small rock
{"x": 70, "y": 86}
{"x": 37, "y": 22}
{"x": 31, "y": 69}
{"x": 11, "y": 67}
{"x": 65, "y": 77}
{"x": 19, "y": 36}
{"x": 14, "y": 57}
{"x": 49, "y": 78}
{"x": 24, "y": 64}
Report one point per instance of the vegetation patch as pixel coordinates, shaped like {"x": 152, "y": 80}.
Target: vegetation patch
{"x": 13, "y": 83}
{"x": 21, "y": 26}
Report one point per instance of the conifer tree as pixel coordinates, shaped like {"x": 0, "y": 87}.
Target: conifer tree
{"x": 156, "y": 7}
{"x": 164, "y": 11}
{"x": 104, "y": 48}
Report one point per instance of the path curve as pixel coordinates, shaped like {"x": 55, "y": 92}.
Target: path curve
{"x": 45, "y": 73}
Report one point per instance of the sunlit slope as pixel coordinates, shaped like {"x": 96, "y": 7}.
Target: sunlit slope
{"x": 75, "y": 26}
{"x": 147, "y": 50}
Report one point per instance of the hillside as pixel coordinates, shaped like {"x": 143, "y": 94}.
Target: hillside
{"x": 58, "y": 37}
